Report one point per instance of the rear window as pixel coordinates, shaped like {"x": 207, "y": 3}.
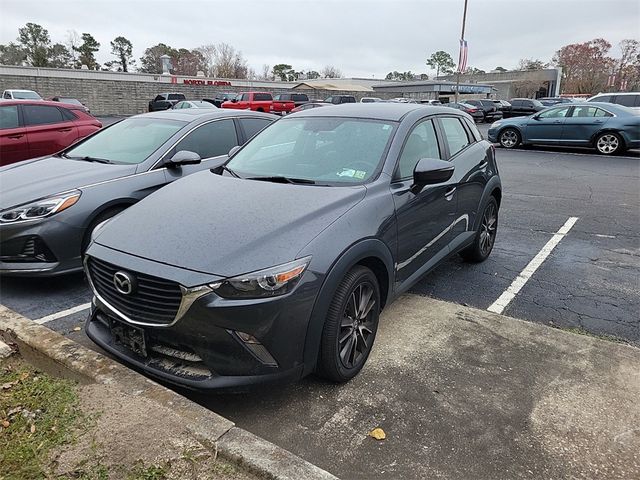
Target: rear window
{"x": 627, "y": 100}
{"x": 348, "y": 100}
{"x": 9, "y": 117}
{"x": 176, "y": 96}
{"x": 299, "y": 97}
{"x": 261, "y": 97}
{"x": 41, "y": 114}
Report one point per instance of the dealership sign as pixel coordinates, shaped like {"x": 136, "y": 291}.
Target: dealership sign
{"x": 216, "y": 83}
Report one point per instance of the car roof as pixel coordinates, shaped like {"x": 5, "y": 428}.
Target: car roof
{"x": 616, "y": 93}
{"x": 19, "y": 90}
{"x": 190, "y": 115}
{"x": 374, "y": 110}
{"x": 614, "y": 107}
{"x": 38, "y": 102}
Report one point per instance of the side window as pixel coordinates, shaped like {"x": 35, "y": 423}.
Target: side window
{"x": 454, "y": 134}
{"x": 7, "y": 95}
{"x": 244, "y": 97}
{"x": 555, "y": 113}
{"x": 602, "y": 113}
{"x": 68, "y": 114}
{"x": 589, "y": 112}
{"x": 262, "y": 97}
{"x": 176, "y": 96}
{"x": 41, "y": 115}
{"x": 210, "y": 140}
{"x": 251, "y": 126}
{"x": 421, "y": 143}
{"x": 9, "y": 117}
{"x": 158, "y": 98}
{"x": 473, "y": 129}
{"x": 626, "y": 100}
{"x": 516, "y": 103}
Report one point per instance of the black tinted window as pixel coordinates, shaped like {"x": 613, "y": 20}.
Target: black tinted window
{"x": 158, "y": 98}
{"x": 210, "y": 140}
{"x": 626, "y": 100}
{"x": 516, "y": 103}
{"x": 421, "y": 143}
{"x": 68, "y": 114}
{"x": 176, "y": 96}
{"x": 454, "y": 134}
{"x": 349, "y": 100}
{"x": 41, "y": 114}
{"x": 9, "y": 117}
{"x": 299, "y": 97}
{"x": 261, "y": 97}
{"x": 251, "y": 126}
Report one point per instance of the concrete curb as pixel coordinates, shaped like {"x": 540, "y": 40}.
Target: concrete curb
{"x": 63, "y": 357}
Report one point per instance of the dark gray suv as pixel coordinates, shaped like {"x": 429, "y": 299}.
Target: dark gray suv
{"x": 279, "y": 263}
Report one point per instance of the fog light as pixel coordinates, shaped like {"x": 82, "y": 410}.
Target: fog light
{"x": 256, "y": 348}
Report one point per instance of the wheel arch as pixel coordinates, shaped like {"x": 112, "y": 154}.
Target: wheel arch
{"x": 595, "y": 136}
{"x": 371, "y": 253}
{"x": 493, "y": 188}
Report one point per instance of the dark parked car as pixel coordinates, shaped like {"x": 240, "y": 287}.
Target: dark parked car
{"x": 164, "y": 101}
{"x": 503, "y": 106}
{"x": 50, "y": 206}
{"x": 606, "y": 127}
{"x": 71, "y": 101}
{"x": 220, "y": 98}
{"x": 489, "y": 109}
{"x": 551, "y": 101}
{"x": 34, "y": 128}
{"x": 339, "y": 99}
{"x": 297, "y": 98}
{"x": 279, "y": 264}
{"x": 524, "y": 106}
{"x": 476, "y": 113}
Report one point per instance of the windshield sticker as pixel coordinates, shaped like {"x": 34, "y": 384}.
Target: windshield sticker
{"x": 346, "y": 172}
{"x": 360, "y": 174}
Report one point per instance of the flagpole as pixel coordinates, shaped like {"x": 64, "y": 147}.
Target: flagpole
{"x": 464, "y": 21}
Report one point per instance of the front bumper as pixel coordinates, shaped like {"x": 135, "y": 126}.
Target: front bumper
{"x": 41, "y": 248}
{"x": 204, "y": 349}
{"x": 492, "y": 135}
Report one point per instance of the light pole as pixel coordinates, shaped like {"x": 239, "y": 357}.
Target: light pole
{"x": 464, "y": 21}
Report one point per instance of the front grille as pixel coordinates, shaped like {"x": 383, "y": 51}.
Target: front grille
{"x": 154, "y": 300}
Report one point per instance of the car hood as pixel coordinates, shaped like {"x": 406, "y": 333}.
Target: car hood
{"x": 227, "y": 226}
{"x": 33, "y": 179}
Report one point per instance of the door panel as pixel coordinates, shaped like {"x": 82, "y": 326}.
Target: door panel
{"x": 583, "y": 123}
{"x": 13, "y": 137}
{"x": 47, "y": 130}
{"x": 547, "y": 126}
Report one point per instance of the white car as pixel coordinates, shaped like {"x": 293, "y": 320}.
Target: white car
{"x": 370, "y": 100}
{"x": 20, "y": 95}
{"x": 628, "y": 99}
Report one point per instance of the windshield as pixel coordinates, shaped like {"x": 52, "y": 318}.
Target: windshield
{"x": 26, "y": 96}
{"x": 130, "y": 141}
{"x": 325, "y": 150}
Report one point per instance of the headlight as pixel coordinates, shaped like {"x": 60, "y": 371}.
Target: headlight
{"x": 264, "y": 283}
{"x": 40, "y": 208}
{"x": 495, "y": 124}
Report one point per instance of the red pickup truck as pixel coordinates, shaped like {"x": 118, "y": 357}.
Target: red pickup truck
{"x": 256, "y": 101}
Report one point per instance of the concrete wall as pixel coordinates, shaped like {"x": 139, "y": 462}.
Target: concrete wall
{"x": 111, "y": 93}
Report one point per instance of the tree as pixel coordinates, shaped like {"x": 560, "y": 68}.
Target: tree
{"x": 122, "y": 49}
{"x": 500, "y": 69}
{"x": 72, "y": 42}
{"x": 150, "y": 61}
{"x": 628, "y": 66}
{"x": 224, "y": 61}
{"x": 35, "y": 41}
{"x": 473, "y": 71}
{"x": 12, "y": 54}
{"x": 404, "y": 76}
{"x": 442, "y": 62}
{"x": 266, "y": 73}
{"x": 86, "y": 51}
{"x": 59, "y": 56}
{"x": 189, "y": 62}
{"x": 283, "y": 71}
{"x": 330, "y": 71}
{"x": 312, "y": 75}
{"x": 526, "y": 64}
{"x": 585, "y": 66}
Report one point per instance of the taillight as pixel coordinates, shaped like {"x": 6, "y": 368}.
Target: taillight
{"x": 473, "y": 110}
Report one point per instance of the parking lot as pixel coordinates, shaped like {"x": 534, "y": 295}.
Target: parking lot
{"x": 587, "y": 279}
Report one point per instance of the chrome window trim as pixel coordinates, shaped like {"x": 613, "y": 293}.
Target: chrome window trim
{"x": 189, "y": 296}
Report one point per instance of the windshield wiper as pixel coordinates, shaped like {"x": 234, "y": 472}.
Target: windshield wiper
{"x": 88, "y": 159}
{"x": 282, "y": 179}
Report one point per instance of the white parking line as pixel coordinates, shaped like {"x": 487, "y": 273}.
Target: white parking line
{"x": 63, "y": 313}
{"x": 501, "y": 303}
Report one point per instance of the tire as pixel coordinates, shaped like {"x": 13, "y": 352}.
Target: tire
{"x": 106, "y": 215}
{"x": 509, "y": 138}
{"x": 609, "y": 143}
{"x": 485, "y": 237}
{"x": 349, "y": 330}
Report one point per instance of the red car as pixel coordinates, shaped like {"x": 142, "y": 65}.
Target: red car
{"x": 256, "y": 101}
{"x": 30, "y": 128}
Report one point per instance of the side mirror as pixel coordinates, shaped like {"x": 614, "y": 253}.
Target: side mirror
{"x": 430, "y": 171}
{"x": 184, "y": 157}
{"x": 234, "y": 100}
{"x": 234, "y": 150}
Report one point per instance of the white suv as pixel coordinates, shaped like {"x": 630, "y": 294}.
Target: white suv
{"x": 20, "y": 95}
{"x": 628, "y": 99}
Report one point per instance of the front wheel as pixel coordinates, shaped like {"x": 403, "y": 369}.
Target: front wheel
{"x": 609, "y": 143}
{"x": 485, "y": 237}
{"x": 350, "y": 327}
{"x": 509, "y": 138}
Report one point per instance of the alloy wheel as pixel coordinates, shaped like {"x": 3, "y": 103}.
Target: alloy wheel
{"x": 488, "y": 229}
{"x": 607, "y": 144}
{"x": 357, "y": 325}
{"x": 509, "y": 139}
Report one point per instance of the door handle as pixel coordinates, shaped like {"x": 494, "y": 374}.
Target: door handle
{"x": 64, "y": 130}
{"x": 448, "y": 195}
{"x": 482, "y": 165}
{"x": 15, "y": 136}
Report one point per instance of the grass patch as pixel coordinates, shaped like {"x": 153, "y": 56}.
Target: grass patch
{"x": 37, "y": 413}
{"x": 601, "y": 336}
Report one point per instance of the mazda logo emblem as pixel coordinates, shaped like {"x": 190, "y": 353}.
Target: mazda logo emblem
{"x": 124, "y": 282}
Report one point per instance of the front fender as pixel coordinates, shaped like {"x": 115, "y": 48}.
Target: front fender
{"x": 371, "y": 247}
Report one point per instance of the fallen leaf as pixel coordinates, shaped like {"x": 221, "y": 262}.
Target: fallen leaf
{"x": 24, "y": 376}
{"x": 5, "y": 424}
{"x": 7, "y": 386}
{"x": 33, "y": 428}
{"x": 378, "y": 434}
{"x": 77, "y": 329}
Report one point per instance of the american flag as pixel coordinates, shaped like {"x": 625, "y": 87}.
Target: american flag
{"x": 462, "y": 58}
{"x": 611, "y": 80}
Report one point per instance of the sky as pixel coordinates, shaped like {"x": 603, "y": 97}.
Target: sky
{"x": 363, "y": 38}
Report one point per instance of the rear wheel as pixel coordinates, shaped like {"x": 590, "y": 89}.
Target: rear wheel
{"x": 509, "y": 138}
{"x": 609, "y": 143}
{"x": 485, "y": 237}
{"x": 350, "y": 327}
